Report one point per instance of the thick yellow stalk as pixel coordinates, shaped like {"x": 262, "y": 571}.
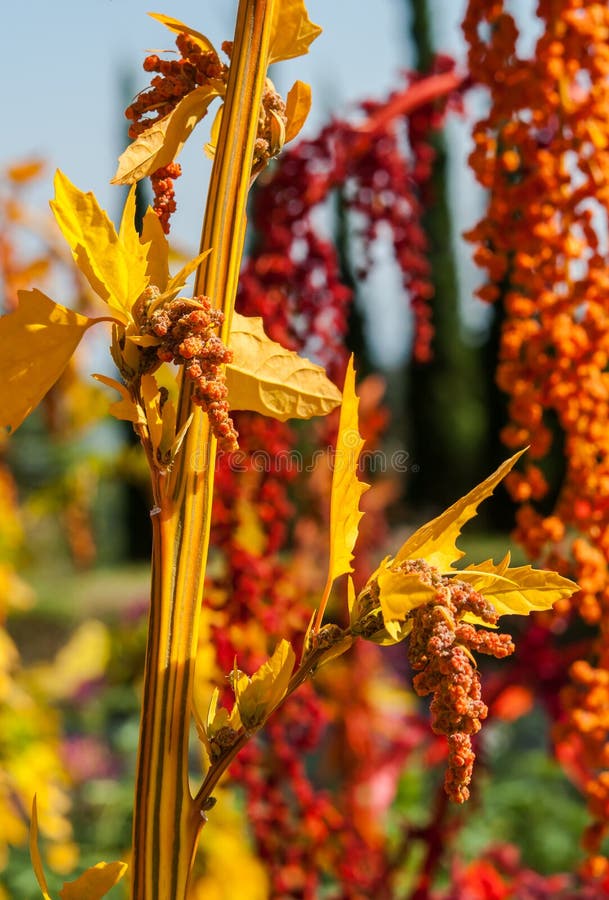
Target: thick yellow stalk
{"x": 167, "y": 820}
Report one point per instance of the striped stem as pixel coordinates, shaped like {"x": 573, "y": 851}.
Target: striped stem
{"x": 167, "y": 820}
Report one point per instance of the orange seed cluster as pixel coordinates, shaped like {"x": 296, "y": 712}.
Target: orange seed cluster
{"x": 440, "y": 651}
{"x": 186, "y": 329}
{"x": 542, "y": 153}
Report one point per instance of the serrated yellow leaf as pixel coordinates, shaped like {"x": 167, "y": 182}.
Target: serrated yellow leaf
{"x": 157, "y": 250}
{"x": 517, "y": 590}
{"x": 297, "y": 106}
{"x": 35, "y": 852}
{"x": 292, "y": 31}
{"x": 265, "y": 377}
{"x": 125, "y": 408}
{"x": 347, "y": 489}
{"x": 95, "y": 882}
{"x": 161, "y": 143}
{"x": 436, "y": 541}
{"x": 177, "y": 282}
{"x": 179, "y": 28}
{"x": 37, "y": 340}
{"x": 401, "y": 592}
{"x": 258, "y": 696}
{"x": 116, "y": 274}
{"x": 134, "y": 248}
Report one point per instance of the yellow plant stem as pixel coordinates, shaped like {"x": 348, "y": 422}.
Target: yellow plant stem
{"x": 167, "y": 819}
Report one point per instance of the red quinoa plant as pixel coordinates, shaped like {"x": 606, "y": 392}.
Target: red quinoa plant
{"x": 185, "y": 364}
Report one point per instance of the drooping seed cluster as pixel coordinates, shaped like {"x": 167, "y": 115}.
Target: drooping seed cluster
{"x": 187, "y": 332}
{"x": 440, "y": 651}
{"x": 164, "y": 194}
{"x": 175, "y": 79}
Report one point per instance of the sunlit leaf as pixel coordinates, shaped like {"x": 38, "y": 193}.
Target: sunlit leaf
{"x": 37, "y": 340}
{"x": 134, "y": 248}
{"x": 95, "y": 882}
{"x": 35, "y": 853}
{"x": 125, "y": 408}
{"x": 157, "y": 250}
{"x": 297, "y": 106}
{"x": 518, "y": 590}
{"x": 291, "y": 31}
{"x": 179, "y": 28}
{"x": 265, "y": 377}
{"x": 400, "y": 593}
{"x": 214, "y": 131}
{"x": 177, "y": 282}
{"x": 347, "y": 489}
{"x": 161, "y": 143}
{"x": 436, "y": 541}
{"x": 115, "y": 274}
{"x": 258, "y": 696}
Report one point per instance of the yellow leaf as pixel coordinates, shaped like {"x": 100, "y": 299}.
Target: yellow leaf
{"x": 436, "y": 541}
{"x": 95, "y": 882}
{"x": 292, "y": 31}
{"x": 150, "y": 396}
{"x": 134, "y": 248}
{"x": 114, "y": 274}
{"x": 214, "y": 131}
{"x": 267, "y": 378}
{"x": 126, "y": 408}
{"x": 400, "y": 593}
{"x": 347, "y": 489}
{"x": 157, "y": 250}
{"x": 161, "y": 143}
{"x": 258, "y": 696}
{"x": 179, "y": 27}
{"x": 37, "y": 340}
{"x": 297, "y": 106}
{"x": 35, "y": 853}
{"x": 218, "y": 718}
{"x": 517, "y": 590}
{"x": 178, "y": 281}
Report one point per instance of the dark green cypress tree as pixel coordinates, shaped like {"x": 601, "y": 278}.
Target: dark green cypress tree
{"x": 446, "y": 420}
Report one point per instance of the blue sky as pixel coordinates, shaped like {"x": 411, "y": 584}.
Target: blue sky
{"x": 70, "y": 64}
